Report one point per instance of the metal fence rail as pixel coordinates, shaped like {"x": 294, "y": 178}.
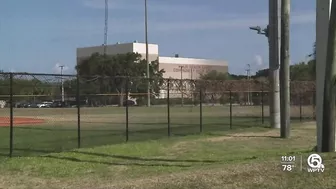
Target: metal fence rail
{"x": 36, "y": 117}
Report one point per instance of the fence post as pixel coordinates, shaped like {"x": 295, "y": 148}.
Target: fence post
{"x": 11, "y": 102}
{"x": 314, "y": 106}
{"x": 201, "y": 111}
{"x": 300, "y": 104}
{"x": 230, "y": 109}
{"x": 78, "y": 113}
{"x": 262, "y": 104}
{"x": 168, "y": 106}
{"x": 126, "y": 88}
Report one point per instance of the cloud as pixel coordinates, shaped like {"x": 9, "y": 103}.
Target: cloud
{"x": 258, "y": 60}
{"x": 57, "y": 68}
{"x": 228, "y": 21}
{"x": 232, "y": 22}
{"x": 177, "y": 17}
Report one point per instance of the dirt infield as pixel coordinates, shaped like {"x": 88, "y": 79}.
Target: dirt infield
{"x": 5, "y": 121}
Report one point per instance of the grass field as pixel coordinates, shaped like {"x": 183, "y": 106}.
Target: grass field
{"x": 240, "y": 159}
{"x": 107, "y": 125}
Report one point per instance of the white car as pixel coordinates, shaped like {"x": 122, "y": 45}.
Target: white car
{"x": 44, "y": 105}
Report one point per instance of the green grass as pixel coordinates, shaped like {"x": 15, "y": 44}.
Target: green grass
{"x": 243, "y": 158}
{"x": 107, "y": 125}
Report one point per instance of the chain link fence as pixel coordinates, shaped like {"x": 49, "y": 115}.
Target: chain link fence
{"x": 44, "y": 113}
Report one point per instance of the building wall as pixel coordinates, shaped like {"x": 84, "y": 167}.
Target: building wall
{"x": 191, "y": 68}
{"x": 140, "y": 48}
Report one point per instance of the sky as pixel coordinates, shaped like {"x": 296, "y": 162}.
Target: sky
{"x": 40, "y": 35}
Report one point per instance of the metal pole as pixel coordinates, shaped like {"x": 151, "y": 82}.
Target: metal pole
{"x": 147, "y": 61}
{"x": 181, "y": 86}
{"x": 168, "y": 106}
{"x": 11, "y": 126}
{"x": 191, "y": 86}
{"x": 230, "y": 109}
{"x": 248, "y": 79}
{"x": 106, "y": 27}
{"x": 284, "y": 70}
{"x": 127, "y": 93}
{"x": 274, "y": 41}
{"x": 300, "y": 106}
{"x": 262, "y": 104}
{"x": 78, "y": 113}
{"x": 201, "y": 110}
{"x": 62, "y": 83}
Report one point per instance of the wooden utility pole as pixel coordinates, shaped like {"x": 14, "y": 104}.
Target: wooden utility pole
{"x": 284, "y": 70}
{"x": 328, "y": 127}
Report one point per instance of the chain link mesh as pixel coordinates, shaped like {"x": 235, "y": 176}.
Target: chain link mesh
{"x": 53, "y": 113}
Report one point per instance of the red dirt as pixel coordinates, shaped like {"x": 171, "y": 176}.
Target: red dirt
{"x": 5, "y": 121}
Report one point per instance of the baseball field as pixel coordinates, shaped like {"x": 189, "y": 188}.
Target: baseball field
{"x": 44, "y": 130}
{"x": 246, "y": 156}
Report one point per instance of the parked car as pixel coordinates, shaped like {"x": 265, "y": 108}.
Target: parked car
{"x": 58, "y": 104}
{"x": 30, "y": 105}
{"x": 45, "y": 105}
{"x": 130, "y": 103}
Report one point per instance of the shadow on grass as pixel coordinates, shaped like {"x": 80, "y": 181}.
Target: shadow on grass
{"x": 241, "y": 123}
{"x": 145, "y": 159}
{"x": 116, "y": 163}
{"x": 250, "y": 136}
{"x": 32, "y": 141}
{"x": 149, "y": 164}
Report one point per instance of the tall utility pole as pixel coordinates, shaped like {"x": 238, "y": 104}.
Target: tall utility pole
{"x": 284, "y": 70}
{"x": 329, "y": 97}
{"x": 323, "y": 9}
{"x": 106, "y": 27}
{"x": 272, "y": 32}
{"x": 62, "y": 83}
{"x": 274, "y": 41}
{"x": 248, "y": 75}
{"x": 147, "y": 61}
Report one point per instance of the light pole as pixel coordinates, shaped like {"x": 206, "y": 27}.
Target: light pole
{"x": 147, "y": 61}
{"x": 62, "y": 83}
{"x": 181, "y": 67}
{"x": 248, "y": 71}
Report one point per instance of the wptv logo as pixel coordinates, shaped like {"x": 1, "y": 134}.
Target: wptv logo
{"x": 314, "y": 162}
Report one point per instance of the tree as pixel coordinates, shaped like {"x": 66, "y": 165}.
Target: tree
{"x": 209, "y": 85}
{"x": 215, "y": 75}
{"x": 262, "y": 73}
{"x": 112, "y": 74}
